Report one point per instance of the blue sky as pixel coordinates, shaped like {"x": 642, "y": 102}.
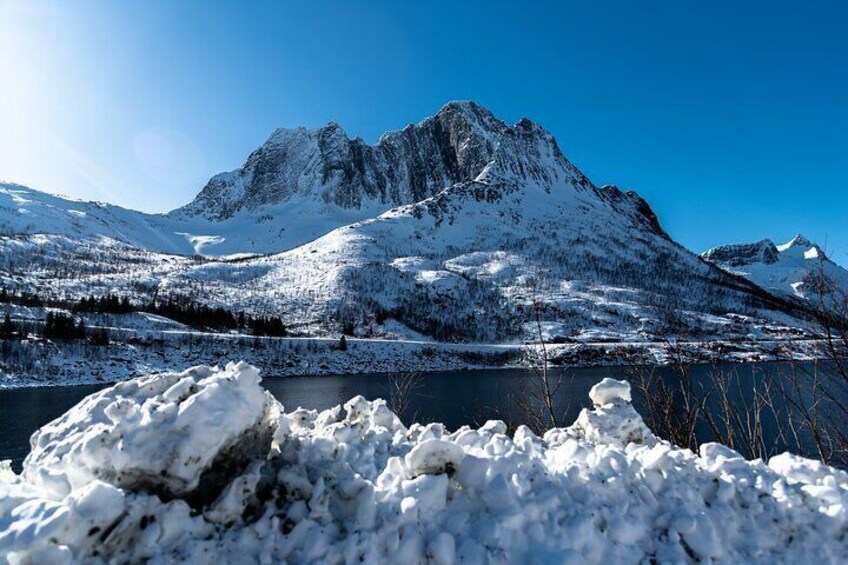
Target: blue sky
{"x": 730, "y": 118}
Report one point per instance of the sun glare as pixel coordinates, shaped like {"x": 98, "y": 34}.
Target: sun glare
{"x": 31, "y": 96}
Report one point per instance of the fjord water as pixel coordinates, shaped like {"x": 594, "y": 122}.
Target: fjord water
{"x": 454, "y": 398}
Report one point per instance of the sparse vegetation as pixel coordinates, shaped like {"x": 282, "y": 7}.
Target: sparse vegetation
{"x": 401, "y": 389}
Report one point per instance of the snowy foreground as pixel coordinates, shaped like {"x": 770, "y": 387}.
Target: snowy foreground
{"x": 205, "y": 466}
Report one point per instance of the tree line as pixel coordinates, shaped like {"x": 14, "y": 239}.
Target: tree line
{"x": 57, "y": 325}
{"x": 193, "y": 314}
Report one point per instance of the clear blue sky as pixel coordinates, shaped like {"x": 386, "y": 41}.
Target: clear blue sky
{"x": 730, "y": 118}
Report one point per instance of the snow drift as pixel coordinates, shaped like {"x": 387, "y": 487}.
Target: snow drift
{"x": 204, "y": 466}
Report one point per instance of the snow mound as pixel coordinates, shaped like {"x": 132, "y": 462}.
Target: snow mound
{"x": 125, "y": 477}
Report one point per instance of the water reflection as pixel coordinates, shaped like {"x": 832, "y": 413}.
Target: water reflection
{"x": 454, "y": 398}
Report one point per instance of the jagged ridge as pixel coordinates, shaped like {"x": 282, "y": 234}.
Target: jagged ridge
{"x": 325, "y": 164}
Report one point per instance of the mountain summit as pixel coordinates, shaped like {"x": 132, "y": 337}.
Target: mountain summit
{"x": 326, "y": 167}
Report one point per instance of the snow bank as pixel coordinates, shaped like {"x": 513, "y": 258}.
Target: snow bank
{"x": 203, "y": 466}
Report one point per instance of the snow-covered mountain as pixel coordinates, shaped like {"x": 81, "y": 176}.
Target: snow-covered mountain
{"x": 466, "y": 262}
{"x": 798, "y": 268}
{"x": 302, "y": 183}
{"x": 450, "y": 229}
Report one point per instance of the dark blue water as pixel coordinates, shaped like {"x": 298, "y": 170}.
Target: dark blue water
{"x": 454, "y": 398}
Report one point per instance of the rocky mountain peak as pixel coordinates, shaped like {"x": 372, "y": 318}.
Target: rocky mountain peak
{"x": 467, "y": 114}
{"x": 323, "y": 165}
{"x": 740, "y": 254}
{"x": 801, "y": 247}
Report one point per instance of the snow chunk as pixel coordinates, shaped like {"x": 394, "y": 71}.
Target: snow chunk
{"x": 608, "y": 391}
{"x": 614, "y": 421}
{"x": 434, "y": 456}
{"x": 159, "y": 433}
{"x": 612, "y": 424}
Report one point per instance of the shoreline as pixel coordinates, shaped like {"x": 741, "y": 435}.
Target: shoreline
{"x": 75, "y": 363}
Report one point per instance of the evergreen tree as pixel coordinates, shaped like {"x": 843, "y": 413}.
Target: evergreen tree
{"x": 99, "y": 336}
{"x": 7, "y": 330}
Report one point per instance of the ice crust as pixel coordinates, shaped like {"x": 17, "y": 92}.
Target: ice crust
{"x": 204, "y": 466}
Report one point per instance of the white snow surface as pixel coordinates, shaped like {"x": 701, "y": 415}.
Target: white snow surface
{"x": 245, "y": 481}
{"x": 608, "y": 391}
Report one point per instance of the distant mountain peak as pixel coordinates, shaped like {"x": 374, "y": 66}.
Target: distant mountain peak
{"x": 787, "y": 269}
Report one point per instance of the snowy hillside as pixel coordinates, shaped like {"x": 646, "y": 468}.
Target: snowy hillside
{"x": 24, "y": 211}
{"x": 27, "y": 211}
{"x": 794, "y": 268}
{"x": 205, "y": 466}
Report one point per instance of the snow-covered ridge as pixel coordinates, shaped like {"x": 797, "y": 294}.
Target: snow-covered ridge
{"x": 798, "y": 268}
{"x": 26, "y": 211}
{"x": 204, "y": 467}
{"x": 299, "y": 185}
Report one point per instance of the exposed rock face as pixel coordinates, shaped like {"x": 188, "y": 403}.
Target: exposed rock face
{"x": 763, "y": 251}
{"x": 324, "y": 163}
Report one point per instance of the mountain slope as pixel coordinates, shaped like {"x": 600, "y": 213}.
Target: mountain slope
{"x": 796, "y": 268}
{"x": 27, "y": 211}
